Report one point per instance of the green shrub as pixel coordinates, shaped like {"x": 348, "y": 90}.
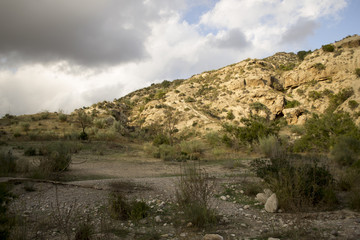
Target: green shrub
{"x": 190, "y": 99}
{"x": 100, "y": 123}
{"x": 213, "y": 138}
{"x": 5, "y": 198}
{"x": 271, "y": 147}
{"x": 84, "y": 231}
{"x": 193, "y": 193}
{"x": 56, "y": 157}
{"x": 292, "y": 104}
{"x": 298, "y": 187}
{"x": 328, "y": 48}
{"x": 193, "y": 149}
{"x": 314, "y": 95}
{"x": 138, "y": 210}
{"x": 319, "y": 66}
{"x": 169, "y": 153}
{"x": 7, "y": 163}
{"x": 230, "y": 115}
{"x": 254, "y": 128}
{"x": 120, "y": 208}
{"x": 62, "y": 117}
{"x": 25, "y": 126}
{"x": 346, "y": 150}
{"x": 160, "y": 139}
{"x": 357, "y": 72}
{"x": 353, "y": 104}
{"x": 257, "y": 106}
{"x": 83, "y": 136}
{"x": 339, "y": 98}
{"x": 302, "y": 54}
{"x": 322, "y": 132}
{"x": 287, "y": 67}
{"x": 160, "y": 94}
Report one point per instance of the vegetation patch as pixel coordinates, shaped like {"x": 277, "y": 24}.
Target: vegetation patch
{"x": 328, "y": 48}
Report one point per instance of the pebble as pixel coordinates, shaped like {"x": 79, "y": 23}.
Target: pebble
{"x": 223, "y": 198}
{"x": 158, "y": 219}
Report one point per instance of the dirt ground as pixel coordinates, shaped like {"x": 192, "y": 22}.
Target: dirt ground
{"x": 53, "y": 210}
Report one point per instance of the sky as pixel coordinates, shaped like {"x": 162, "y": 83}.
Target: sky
{"x": 64, "y": 54}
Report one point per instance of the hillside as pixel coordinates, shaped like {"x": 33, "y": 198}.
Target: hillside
{"x": 280, "y": 86}
{"x": 260, "y": 149}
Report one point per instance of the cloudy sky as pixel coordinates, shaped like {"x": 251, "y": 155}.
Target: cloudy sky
{"x": 65, "y": 54}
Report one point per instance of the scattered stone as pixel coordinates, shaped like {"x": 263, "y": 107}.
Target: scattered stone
{"x": 224, "y": 198}
{"x": 261, "y": 197}
{"x": 189, "y": 224}
{"x": 212, "y": 237}
{"x": 271, "y": 238}
{"x": 183, "y": 234}
{"x": 246, "y": 207}
{"x": 158, "y": 219}
{"x": 272, "y": 204}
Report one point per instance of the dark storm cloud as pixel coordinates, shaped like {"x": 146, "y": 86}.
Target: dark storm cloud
{"x": 85, "y": 32}
{"x": 234, "y": 39}
{"x": 300, "y": 31}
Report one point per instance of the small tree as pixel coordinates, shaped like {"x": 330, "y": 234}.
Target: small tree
{"x": 171, "y": 119}
{"x": 84, "y": 121}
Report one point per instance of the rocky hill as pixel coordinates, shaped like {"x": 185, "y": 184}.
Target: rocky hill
{"x": 285, "y": 85}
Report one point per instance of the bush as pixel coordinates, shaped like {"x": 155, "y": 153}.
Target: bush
{"x": 169, "y": 153}
{"x": 271, "y": 147}
{"x": 357, "y": 72}
{"x": 84, "y": 231}
{"x": 346, "y": 150}
{"x": 257, "y": 106}
{"x": 7, "y": 163}
{"x": 353, "y": 104}
{"x": 25, "y": 127}
{"x": 298, "y": 187}
{"x": 314, "y": 95}
{"x": 83, "y": 136}
{"x": 328, "y": 48}
{"x": 213, "y": 138}
{"x": 292, "y": 104}
{"x": 160, "y": 139}
{"x": 5, "y": 198}
{"x": 230, "y": 115}
{"x": 62, "y": 117}
{"x": 339, "y": 98}
{"x": 254, "y": 128}
{"x": 193, "y": 149}
{"x": 193, "y": 193}
{"x": 56, "y": 157}
{"x": 322, "y": 132}
{"x": 319, "y": 66}
{"x": 189, "y": 100}
{"x": 121, "y": 209}
{"x": 302, "y": 54}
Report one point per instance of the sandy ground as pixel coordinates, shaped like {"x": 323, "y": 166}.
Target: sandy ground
{"x": 40, "y": 205}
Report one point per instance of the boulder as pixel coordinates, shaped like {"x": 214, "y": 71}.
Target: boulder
{"x": 272, "y": 204}
{"x": 263, "y": 197}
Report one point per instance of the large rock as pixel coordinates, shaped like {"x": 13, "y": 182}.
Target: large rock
{"x": 213, "y": 237}
{"x": 263, "y": 197}
{"x": 272, "y": 204}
